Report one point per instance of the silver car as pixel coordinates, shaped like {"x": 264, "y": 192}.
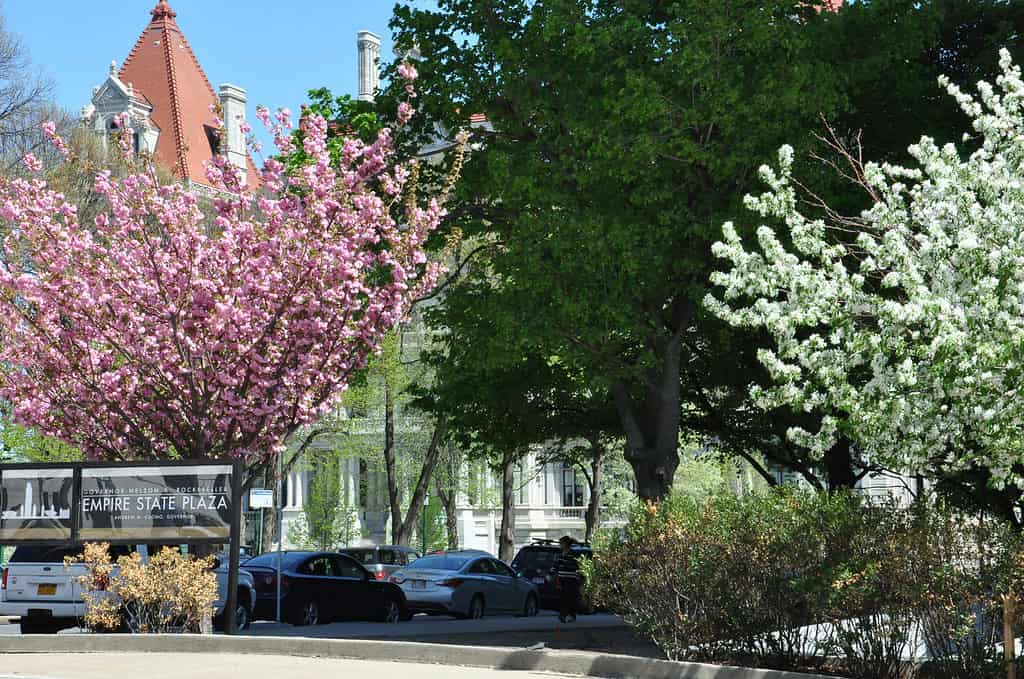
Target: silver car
{"x": 465, "y": 584}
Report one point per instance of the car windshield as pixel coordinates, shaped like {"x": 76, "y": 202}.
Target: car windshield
{"x": 43, "y": 554}
{"x": 441, "y": 562}
{"x": 51, "y": 554}
{"x": 535, "y": 559}
{"x": 362, "y": 555}
{"x": 269, "y": 560}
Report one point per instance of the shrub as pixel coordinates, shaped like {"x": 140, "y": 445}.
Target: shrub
{"x": 171, "y": 592}
{"x": 825, "y": 582}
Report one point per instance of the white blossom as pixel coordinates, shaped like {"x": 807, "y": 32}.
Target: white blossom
{"x": 913, "y": 331}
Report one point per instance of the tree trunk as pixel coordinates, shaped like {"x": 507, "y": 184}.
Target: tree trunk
{"x": 651, "y": 423}
{"x": 593, "y": 515}
{"x": 268, "y": 531}
{"x": 451, "y": 518}
{"x": 390, "y": 466}
{"x": 838, "y": 463}
{"x": 422, "y": 483}
{"x": 506, "y": 538}
{"x": 446, "y": 485}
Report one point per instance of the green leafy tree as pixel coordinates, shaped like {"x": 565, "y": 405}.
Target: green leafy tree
{"x": 329, "y": 520}
{"x": 24, "y": 444}
{"x": 619, "y": 136}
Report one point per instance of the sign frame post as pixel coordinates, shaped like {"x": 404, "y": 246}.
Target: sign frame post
{"x": 231, "y": 600}
{"x": 59, "y": 515}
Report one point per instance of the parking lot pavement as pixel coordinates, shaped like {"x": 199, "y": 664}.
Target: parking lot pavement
{"x": 423, "y": 626}
{"x": 219, "y": 666}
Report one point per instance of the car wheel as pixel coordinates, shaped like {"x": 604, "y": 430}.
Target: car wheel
{"x": 308, "y": 614}
{"x": 392, "y": 611}
{"x": 530, "y": 608}
{"x": 476, "y": 608}
{"x": 243, "y": 617}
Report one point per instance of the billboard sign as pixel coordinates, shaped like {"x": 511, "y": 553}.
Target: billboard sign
{"x": 156, "y": 503}
{"x": 126, "y": 503}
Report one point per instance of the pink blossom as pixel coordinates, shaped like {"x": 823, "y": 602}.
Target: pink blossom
{"x": 405, "y": 112}
{"x": 407, "y": 72}
{"x": 31, "y": 163}
{"x": 50, "y": 130}
{"x": 155, "y": 331}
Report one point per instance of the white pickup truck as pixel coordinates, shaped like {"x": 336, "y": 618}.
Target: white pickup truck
{"x": 47, "y": 596}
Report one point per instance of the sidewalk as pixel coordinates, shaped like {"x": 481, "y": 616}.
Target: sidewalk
{"x": 221, "y": 666}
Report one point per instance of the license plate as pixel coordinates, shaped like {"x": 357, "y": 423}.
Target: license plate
{"x": 46, "y": 590}
{"x": 538, "y": 581}
{"x": 419, "y": 584}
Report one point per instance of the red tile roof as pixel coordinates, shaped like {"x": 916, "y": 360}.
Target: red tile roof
{"x": 162, "y": 68}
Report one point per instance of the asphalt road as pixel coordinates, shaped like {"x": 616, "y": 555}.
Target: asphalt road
{"x": 221, "y": 666}
{"x": 544, "y": 624}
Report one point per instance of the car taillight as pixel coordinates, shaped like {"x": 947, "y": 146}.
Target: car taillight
{"x": 3, "y": 583}
{"x": 380, "y": 575}
{"x": 450, "y": 582}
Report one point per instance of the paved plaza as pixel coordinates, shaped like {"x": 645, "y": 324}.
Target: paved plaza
{"x": 220, "y": 666}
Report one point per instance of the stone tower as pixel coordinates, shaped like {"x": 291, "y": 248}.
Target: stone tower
{"x": 169, "y": 99}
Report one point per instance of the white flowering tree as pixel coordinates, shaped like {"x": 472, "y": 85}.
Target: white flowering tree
{"x": 905, "y": 327}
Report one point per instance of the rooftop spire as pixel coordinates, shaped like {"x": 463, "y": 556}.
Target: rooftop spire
{"x": 167, "y": 76}
{"x": 163, "y": 11}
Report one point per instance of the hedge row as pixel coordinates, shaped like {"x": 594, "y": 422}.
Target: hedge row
{"x": 815, "y": 582}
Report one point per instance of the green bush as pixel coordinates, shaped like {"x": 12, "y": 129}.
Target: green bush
{"x": 823, "y": 582}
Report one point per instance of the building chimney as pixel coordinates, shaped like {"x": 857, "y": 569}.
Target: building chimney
{"x": 232, "y": 104}
{"x": 369, "y": 64}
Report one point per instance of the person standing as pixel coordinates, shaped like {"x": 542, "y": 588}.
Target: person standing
{"x": 567, "y": 572}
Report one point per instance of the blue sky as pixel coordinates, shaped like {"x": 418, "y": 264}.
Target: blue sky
{"x": 275, "y": 50}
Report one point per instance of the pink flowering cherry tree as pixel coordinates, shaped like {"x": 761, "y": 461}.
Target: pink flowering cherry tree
{"x": 160, "y": 332}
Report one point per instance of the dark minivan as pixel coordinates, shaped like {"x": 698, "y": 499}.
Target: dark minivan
{"x": 534, "y": 562}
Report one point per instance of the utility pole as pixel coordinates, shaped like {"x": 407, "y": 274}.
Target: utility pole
{"x": 280, "y": 521}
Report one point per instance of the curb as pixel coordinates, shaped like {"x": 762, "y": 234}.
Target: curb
{"x": 560, "y": 662}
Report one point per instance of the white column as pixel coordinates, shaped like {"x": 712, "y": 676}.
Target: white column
{"x": 232, "y": 103}
{"x": 492, "y": 533}
{"x": 368, "y": 45}
{"x": 353, "y": 481}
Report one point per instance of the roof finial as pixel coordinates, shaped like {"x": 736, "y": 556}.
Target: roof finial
{"x": 163, "y": 11}
{"x": 113, "y": 67}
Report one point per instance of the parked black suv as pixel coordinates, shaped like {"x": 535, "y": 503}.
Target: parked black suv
{"x": 534, "y": 562}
